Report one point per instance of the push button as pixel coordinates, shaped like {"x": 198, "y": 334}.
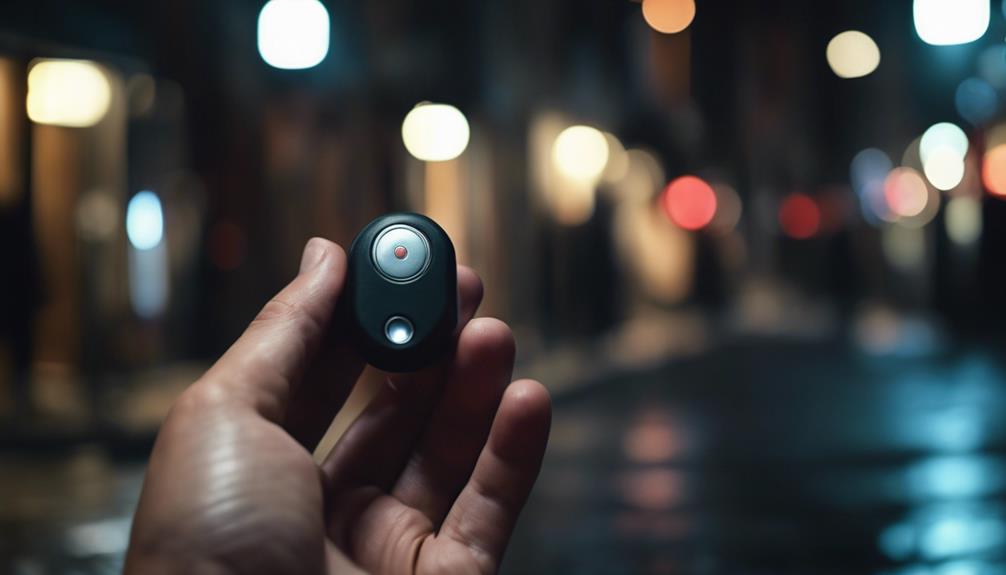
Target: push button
{"x": 398, "y": 330}
{"x": 401, "y": 253}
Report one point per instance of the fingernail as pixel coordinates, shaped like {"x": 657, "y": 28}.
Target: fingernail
{"x": 313, "y": 254}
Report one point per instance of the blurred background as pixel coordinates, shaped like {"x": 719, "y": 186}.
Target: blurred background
{"x": 755, "y": 250}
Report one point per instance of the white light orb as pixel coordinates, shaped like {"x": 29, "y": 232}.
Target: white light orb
{"x": 435, "y": 132}
{"x": 852, "y": 54}
{"x": 293, "y": 34}
{"x": 581, "y": 153}
{"x": 68, "y": 93}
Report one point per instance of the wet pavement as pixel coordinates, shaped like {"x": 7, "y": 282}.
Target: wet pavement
{"x": 763, "y": 456}
{"x": 777, "y": 457}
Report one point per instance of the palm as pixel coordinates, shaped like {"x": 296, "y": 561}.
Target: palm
{"x": 429, "y": 479}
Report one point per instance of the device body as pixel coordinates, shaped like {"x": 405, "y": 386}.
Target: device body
{"x": 401, "y": 293}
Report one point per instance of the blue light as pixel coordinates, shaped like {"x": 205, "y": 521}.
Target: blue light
{"x": 976, "y": 100}
{"x": 144, "y": 221}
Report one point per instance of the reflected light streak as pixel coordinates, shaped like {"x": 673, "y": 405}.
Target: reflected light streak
{"x": 68, "y": 93}
{"x": 852, "y": 54}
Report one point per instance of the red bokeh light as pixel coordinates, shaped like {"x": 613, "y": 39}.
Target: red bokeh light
{"x": 799, "y": 216}
{"x": 690, "y": 202}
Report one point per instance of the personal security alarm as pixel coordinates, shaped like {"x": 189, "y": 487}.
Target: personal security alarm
{"x": 401, "y": 293}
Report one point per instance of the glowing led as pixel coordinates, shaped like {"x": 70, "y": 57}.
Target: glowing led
{"x": 799, "y": 216}
{"x": 940, "y": 135}
{"x": 69, "y": 93}
{"x": 963, "y": 220}
{"x": 906, "y": 192}
{"x": 947, "y": 22}
{"x": 690, "y": 202}
{"x": 144, "y": 221}
{"x": 852, "y": 54}
{"x": 435, "y": 132}
{"x": 669, "y": 16}
{"x": 994, "y": 170}
{"x": 581, "y": 153}
{"x": 944, "y": 169}
{"x": 293, "y": 34}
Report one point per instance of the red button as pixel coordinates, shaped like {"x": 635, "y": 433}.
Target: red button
{"x": 401, "y": 252}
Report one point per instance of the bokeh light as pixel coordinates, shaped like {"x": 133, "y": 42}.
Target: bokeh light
{"x": 852, "y": 54}
{"x": 976, "y": 100}
{"x": 144, "y": 221}
{"x": 994, "y": 170}
{"x": 617, "y": 166}
{"x": 643, "y": 177}
{"x": 293, "y": 34}
{"x": 581, "y": 153}
{"x": 904, "y": 248}
{"x": 948, "y": 22}
{"x": 905, "y": 192}
{"x": 867, "y": 172}
{"x": 690, "y": 202}
{"x": 669, "y": 16}
{"x": 799, "y": 216}
{"x": 943, "y": 135}
{"x": 944, "y": 169}
{"x": 963, "y": 220}
{"x": 992, "y": 65}
{"x": 435, "y": 132}
{"x": 69, "y": 93}
{"x": 728, "y": 209}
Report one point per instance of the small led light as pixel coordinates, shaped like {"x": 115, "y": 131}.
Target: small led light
{"x": 398, "y": 330}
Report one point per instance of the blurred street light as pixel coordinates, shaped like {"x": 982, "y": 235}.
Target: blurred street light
{"x": 963, "y": 220}
{"x": 943, "y": 135}
{"x": 976, "y": 100}
{"x": 669, "y": 16}
{"x": 69, "y": 93}
{"x": 799, "y": 216}
{"x": 690, "y": 202}
{"x": 994, "y": 170}
{"x": 435, "y": 132}
{"x": 581, "y": 153}
{"x": 906, "y": 192}
{"x": 852, "y": 54}
{"x": 944, "y": 169}
{"x": 293, "y": 34}
{"x": 947, "y": 22}
{"x": 144, "y": 221}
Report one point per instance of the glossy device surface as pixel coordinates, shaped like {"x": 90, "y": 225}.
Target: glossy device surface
{"x": 401, "y": 294}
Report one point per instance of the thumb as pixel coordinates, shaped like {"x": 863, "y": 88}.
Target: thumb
{"x": 269, "y": 358}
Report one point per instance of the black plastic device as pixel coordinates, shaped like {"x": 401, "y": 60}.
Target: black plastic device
{"x": 401, "y": 293}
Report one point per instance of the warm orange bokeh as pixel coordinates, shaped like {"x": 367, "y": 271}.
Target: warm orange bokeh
{"x": 994, "y": 170}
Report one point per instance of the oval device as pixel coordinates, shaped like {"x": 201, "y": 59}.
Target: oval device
{"x": 401, "y": 294}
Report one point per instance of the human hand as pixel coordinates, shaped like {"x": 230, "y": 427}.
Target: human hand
{"x": 429, "y": 479}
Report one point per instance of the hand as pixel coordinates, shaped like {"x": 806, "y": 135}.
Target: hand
{"x": 429, "y": 479}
